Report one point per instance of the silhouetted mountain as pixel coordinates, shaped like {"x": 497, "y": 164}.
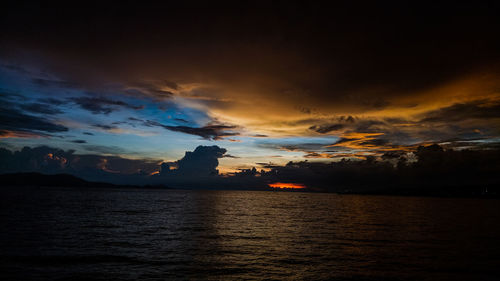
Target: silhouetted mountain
{"x": 37, "y": 179}
{"x": 57, "y": 180}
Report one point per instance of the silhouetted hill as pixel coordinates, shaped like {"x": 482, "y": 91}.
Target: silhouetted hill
{"x": 37, "y": 179}
{"x": 57, "y": 180}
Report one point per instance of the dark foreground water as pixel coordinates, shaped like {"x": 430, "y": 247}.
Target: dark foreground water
{"x": 111, "y": 234}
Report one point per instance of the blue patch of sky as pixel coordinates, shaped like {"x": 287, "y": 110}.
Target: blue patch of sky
{"x": 134, "y": 138}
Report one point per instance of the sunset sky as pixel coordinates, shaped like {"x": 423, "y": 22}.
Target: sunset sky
{"x": 270, "y": 83}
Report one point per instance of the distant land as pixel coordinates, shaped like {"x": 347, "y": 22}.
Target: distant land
{"x": 59, "y": 180}
{"x": 65, "y": 180}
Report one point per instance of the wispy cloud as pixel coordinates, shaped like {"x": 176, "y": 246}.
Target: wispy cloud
{"x": 102, "y": 105}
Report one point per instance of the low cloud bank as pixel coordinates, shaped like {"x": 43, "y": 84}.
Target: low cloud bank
{"x": 428, "y": 169}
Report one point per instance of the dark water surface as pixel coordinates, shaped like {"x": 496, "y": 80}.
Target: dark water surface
{"x": 130, "y": 234}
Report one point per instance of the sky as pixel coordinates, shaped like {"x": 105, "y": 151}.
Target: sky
{"x": 266, "y": 82}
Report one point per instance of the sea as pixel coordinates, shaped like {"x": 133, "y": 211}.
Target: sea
{"x": 154, "y": 234}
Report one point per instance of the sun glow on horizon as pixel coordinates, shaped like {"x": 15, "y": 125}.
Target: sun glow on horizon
{"x": 286, "y": 185}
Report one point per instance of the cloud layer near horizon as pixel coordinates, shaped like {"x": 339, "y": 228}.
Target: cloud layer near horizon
{"x": 429, "y": 169}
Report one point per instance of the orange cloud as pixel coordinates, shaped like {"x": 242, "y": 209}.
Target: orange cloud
{"x": 19, "y": 134}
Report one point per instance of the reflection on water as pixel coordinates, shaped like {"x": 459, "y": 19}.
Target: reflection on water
{"x": 161, "y": 234}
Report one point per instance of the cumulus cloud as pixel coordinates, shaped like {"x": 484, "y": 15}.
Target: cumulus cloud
{"x": 203, "y": 161}
{"x": 93, "y": 167}
{"x": 427, "y": 169}
{"x": 194, "y": 166}
{"x": 434, "y": 170}
{"x": 41, "y": 159}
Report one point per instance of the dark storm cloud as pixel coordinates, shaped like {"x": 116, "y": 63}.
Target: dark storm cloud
{"x": 197, "y": 166}
{"x": 153, "y": 89}
{"x": 150, "y": 91}
{"x": 209, "y": 132}
{"x": 147, "y": 123}
{"x": 344, "y": 140}
{"x": 461, "y": 121}
{"x": 270, "y": 62}
{"x": 202, "y": 161}
{"x": 434, "y": 170}
{"x": 88, "y": 133}
{"x": 326, "y": 128}
{"x": 14, "y": 120}
{"x": 375, "y": 142}
{"x": 14, "y": 100}
{"x": 102, "y": 105}
{"x": 295, "y": 146}
{"x": 355, "y": 124}
{"x": 348, "y": 55}
{"x": 93, "y": 167}
{"x": 41, "y": 158}
{"x": 105, "y": 127}
{"x": 41, "y": 108}
{"x": 370, "y": 126}
{"x": 317, "y": 155}
{"x": 465, "y": 121}
{"x": 335, "y": 124}
{"x": 135, "y": 119}
{"x": 79, "y": 141}
{"x": 230, "y": 156}
{"x": 483, "y": 109}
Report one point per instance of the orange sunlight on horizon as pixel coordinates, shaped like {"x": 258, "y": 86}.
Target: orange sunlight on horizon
{"x": 284, "y": 185}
